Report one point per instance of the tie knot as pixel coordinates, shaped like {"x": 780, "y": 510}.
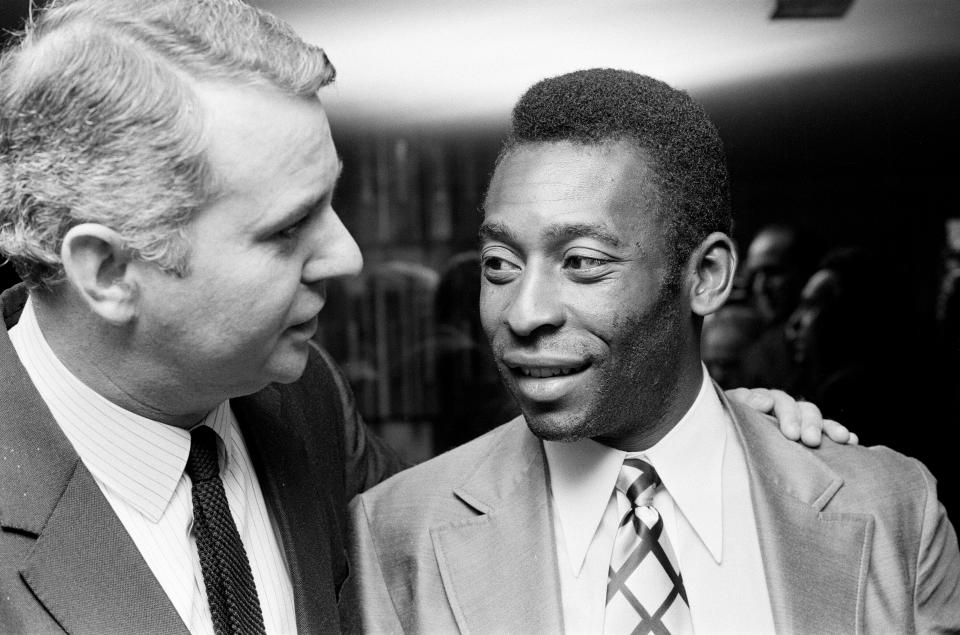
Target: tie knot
{"x": 203, "y": 464}
{"x": 638, "y": 480}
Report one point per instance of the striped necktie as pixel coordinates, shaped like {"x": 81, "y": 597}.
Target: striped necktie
{"x": 645, "y": 591}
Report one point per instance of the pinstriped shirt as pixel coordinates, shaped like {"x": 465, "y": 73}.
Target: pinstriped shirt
{"x": 139, "y": 466}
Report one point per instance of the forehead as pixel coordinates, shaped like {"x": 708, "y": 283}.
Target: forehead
{"x": 258, "y": 137}
{"x": 543, "y": 185}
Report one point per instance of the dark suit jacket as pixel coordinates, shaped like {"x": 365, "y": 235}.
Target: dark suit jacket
{"x": 852, "y": 540}
{"x": 67, "y": 563}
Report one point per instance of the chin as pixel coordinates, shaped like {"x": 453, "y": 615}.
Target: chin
{"x": 557, "y": 426}
{"x": 288, "y": 368}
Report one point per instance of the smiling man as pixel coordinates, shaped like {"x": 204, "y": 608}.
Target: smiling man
{"x": 579, "y": 307}
{"x": 632, "y": 496}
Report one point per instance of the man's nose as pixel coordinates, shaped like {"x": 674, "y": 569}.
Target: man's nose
{"x": 335, "y": 252}
{"x": 537, "y": 304}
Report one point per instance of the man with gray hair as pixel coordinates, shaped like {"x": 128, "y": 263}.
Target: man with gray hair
{"x": 167, "y": 173}
{"x": 176, "y": 454}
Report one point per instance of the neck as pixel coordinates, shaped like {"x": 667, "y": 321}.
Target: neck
{"x": 101, "y": 355}
{"x": 666, "y": 403}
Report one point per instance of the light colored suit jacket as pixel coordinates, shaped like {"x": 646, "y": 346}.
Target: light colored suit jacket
{"x": 68, "y": 565}
{"x": 853, "y": 539}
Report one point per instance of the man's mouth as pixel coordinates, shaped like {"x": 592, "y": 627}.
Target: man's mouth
{"x": 546, "y": 380}
{"x": 541, "y": 372}
{"x": 306, "y": 328}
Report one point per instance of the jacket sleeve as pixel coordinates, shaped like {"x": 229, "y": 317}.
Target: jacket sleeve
{"x": 365, "y": 603}
{"x": 367, "y": 458}
{"x": 937, "y": 590}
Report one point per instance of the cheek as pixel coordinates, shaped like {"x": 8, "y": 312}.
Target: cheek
{"x": 614, "y": 311}
{"x": 250, "y": 299}
{"x": 491, "y": 306}
{"x": 651, "y": 336}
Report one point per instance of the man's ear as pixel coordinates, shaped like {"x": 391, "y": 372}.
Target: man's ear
{"x": 712, "y": 265}
{"x": 96, "y": 263}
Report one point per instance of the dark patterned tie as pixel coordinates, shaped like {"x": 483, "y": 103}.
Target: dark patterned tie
{"x": 645, "y": 592}
{"x": 231, "y": 592}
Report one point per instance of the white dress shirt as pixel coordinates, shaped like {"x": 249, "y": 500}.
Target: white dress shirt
{"x": 707, "y": 512}
{"x": 139, "y": 466}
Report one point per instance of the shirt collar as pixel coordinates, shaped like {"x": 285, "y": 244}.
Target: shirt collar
{"x": 689, "y": 460}
{"x": 582, "y": 476}
{"x": 138, "y": 459}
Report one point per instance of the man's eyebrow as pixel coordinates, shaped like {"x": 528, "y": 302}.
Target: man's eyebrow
{"x": 566, "y": 232}
{"x": 495, "y": 231}
{"x": 307, "y": 206}
{"x": 555, "y": 234}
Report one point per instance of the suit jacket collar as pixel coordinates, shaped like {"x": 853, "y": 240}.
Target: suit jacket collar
{"x": 297, "y": 498}
{"x": 513, "y": 537}
{"x": 815, "y": 561}
{"x": 82, "y": 549}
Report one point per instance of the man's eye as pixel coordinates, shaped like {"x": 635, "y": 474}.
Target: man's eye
{"x": 498, "y": 270}
{"x": 495, "y": 264}
{"x": 291, "y": 231}
{"x": 583, "y": 262}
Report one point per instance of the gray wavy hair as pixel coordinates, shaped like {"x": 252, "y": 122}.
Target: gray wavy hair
{"x": 99, "y": 123}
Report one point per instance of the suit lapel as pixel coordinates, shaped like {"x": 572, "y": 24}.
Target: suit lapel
{"x": 499, "y": 569}
{"x": 82, "y": 550}
{"x": 84, "y": 553}
{"x": 815, "y": 561}
{"x": 296, "y": 496}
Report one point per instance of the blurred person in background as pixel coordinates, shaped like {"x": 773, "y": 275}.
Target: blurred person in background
{"x": 839, "y": 339}
{"x": 472, "y": 399}
{"x": 947, "y": 311}
{"x": 779, "y": 260}
{"x": 727, "y": 334}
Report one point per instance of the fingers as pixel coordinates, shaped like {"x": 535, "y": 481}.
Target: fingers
{"x": 775, "y": 402}
{"x": 757, "y": 398}
{"x": 789, "y": 415}
{"x": 798, "y": 420}
{"x": 742, "y": 395}
{"x": 811, "y": 424}
{"x": 839, "y": 432}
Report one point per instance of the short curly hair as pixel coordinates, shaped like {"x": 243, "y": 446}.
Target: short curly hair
{"x": 687, "y": 158}
{"x": 99, "y": 121}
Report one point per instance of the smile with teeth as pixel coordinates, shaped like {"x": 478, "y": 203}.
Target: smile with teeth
{"x": 543, "y": 372}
